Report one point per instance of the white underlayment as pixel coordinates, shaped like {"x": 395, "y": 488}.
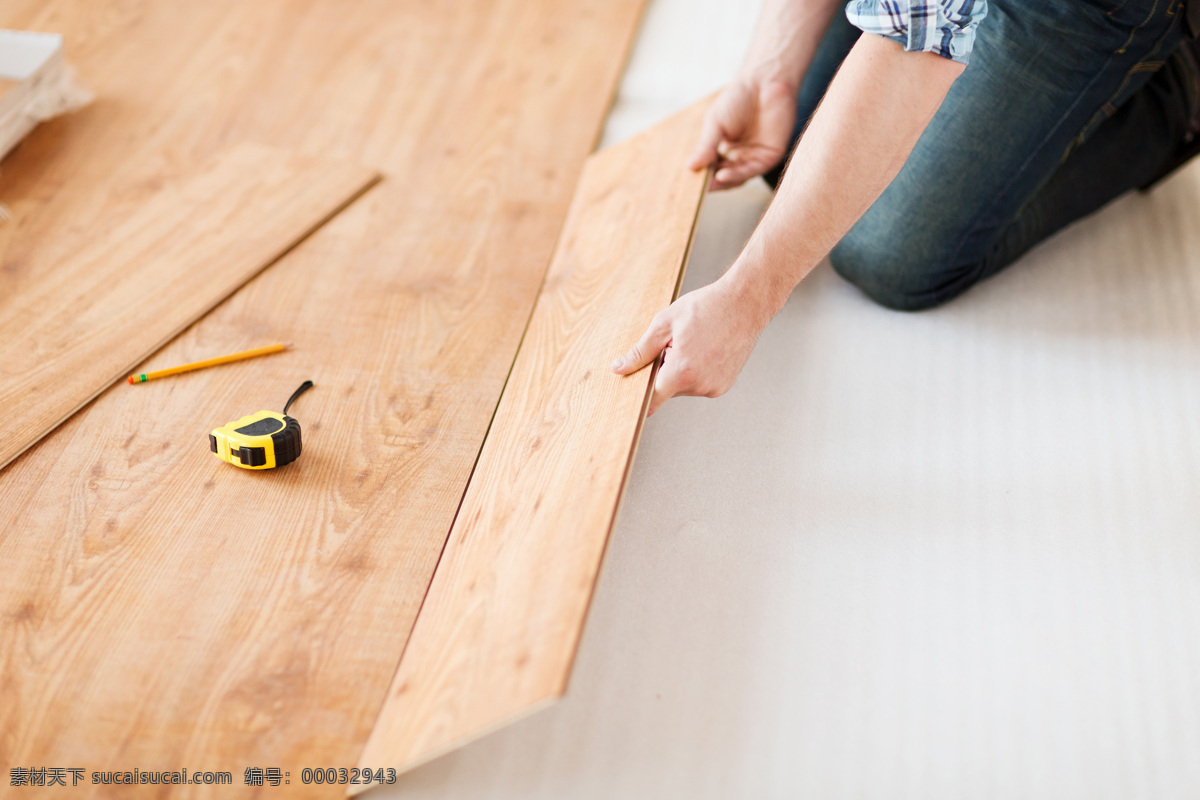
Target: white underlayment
{"x": 953, "y": 554}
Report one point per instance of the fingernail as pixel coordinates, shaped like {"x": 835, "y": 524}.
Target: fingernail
{"x": 618, "y": 363}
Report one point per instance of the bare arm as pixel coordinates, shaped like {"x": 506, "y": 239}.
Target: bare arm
{"x": 786, "y": 38}
{"x": 877, "y": 107}
{"x": 875, "y": 110}
{"x": 747, "y": 130}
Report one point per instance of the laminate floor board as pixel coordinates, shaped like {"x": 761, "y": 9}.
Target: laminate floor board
{"x": 164, "y": 608}
{"x": 498, "y": 630}
{"x": 7, "y": 86}
{"x": 124, "y": 294}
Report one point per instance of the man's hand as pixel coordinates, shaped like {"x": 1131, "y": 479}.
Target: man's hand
{"x": 746, "y": 131}
{"x": 878, "y": 104}
{"x": 705, "y": 337}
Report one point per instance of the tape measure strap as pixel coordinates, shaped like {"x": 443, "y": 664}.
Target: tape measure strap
{"x": 304, "y": 387}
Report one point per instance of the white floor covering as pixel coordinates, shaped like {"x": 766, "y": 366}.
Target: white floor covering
{"x": 953, "y": 554}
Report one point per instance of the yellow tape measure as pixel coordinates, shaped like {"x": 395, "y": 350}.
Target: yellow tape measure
{"x": 264, "y": 440}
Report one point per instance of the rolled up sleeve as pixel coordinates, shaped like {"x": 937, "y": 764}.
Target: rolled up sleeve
{"x": 944, "y": 27}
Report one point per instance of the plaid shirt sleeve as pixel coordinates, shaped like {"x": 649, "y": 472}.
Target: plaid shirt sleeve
{"x": 945, "y": 27}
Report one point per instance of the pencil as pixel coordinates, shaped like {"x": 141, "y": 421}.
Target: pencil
{"x": 210, "y": 362}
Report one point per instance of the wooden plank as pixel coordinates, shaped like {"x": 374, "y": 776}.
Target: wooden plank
{"x": 147, "y": 277}
{"x": 159, "y": 607}
{"x": 500, "y": 625}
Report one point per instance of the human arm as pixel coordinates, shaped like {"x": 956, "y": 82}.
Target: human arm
{"x": 748, "y": 128}
{"x": 873, "y": 113}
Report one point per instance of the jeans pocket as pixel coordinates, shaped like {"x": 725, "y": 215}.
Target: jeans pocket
{"x": 1135, "y": 13}
{"x": 1164, "y": 13}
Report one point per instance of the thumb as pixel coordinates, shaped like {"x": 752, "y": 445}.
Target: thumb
{"x": 706, "y": 149}
{"x": 653, "y": 341}
{"x": 663, "y": 390}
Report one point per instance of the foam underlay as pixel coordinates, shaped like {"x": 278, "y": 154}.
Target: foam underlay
{"x": 953, "y": 554}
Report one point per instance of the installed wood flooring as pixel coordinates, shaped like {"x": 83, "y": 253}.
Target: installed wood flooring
{"x": 151, "y": 274}
{"x": 163, "y": 609}
{"x": 499, "y": 628}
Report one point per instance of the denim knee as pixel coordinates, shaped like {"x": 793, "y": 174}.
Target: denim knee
{"x": 899, "y": 272}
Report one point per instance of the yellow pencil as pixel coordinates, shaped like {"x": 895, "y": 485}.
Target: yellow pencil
{"x": 211, "y": 362}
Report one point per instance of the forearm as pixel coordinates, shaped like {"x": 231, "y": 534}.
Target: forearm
{"x": 873, "y": 113}
{"x": 786, "y": 39}
{"x": 875, "y": 110}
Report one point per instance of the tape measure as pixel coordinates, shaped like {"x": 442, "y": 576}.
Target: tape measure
{"x": 264, "y": 440}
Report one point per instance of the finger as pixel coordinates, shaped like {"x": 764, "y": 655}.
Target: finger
{"x": 747, "y": 153}
{"x": 672, "y": 380}
{"x": 656, "y": 401}
{"x": 656, "y": 337}
{"x": 730, "y": 175}
{"x": 706, "y": 150}
{"x": 754, "y": 153}
{"x": 664, "y": 389}
{"x": 715, "y": 185}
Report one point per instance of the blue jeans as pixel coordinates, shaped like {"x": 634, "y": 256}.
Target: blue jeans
{"x": 1065, "y": 105}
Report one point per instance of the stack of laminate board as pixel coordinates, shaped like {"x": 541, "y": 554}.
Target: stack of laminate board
{"x": 382, "y": 184}
{"x": 31, "y": 68}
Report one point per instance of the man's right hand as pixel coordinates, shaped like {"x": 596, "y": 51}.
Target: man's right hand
{"x": 746, "y": 131}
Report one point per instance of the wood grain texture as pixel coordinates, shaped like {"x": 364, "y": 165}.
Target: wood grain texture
{"x": 148, "y": 276}
{"x": 500, "y": 625}
{"x": 160, "y": 608}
